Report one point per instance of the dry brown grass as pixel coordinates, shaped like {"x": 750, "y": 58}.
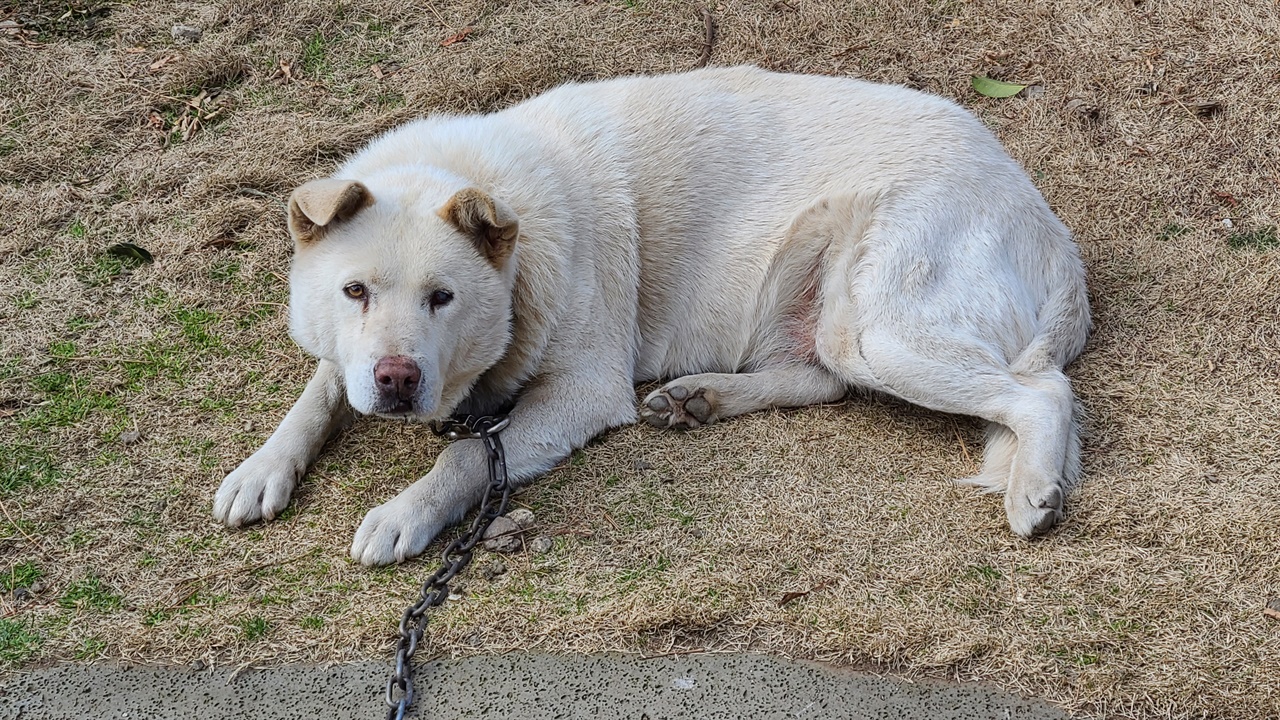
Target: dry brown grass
{"x": 1146, "y": 603}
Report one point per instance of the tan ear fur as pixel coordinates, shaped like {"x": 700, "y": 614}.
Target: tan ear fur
{"x": 492, "y": 225}
{"x": 317, "y": 205}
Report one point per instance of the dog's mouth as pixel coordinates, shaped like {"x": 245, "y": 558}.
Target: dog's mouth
{"x": 398, "y": 409}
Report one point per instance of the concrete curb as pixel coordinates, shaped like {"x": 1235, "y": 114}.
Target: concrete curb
{"x": 515, "y": 686}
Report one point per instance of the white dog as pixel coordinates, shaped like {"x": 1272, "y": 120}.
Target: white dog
{"x": 757, "y": 240}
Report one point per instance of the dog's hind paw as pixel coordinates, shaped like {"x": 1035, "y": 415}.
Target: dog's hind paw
{"x": 675, "y": 406}
{"x": 257, "y": 490}
{"x": 1032, "y": 514}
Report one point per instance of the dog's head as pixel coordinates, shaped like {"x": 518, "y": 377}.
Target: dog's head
{"x": 405, "y": 285}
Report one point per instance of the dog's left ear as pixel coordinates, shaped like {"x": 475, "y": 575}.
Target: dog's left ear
{"x": 490, "y": 223}
{"x": 319, "y": 204}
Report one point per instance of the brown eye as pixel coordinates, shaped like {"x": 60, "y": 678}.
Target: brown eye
{"x": 440, "y": 298}
{"x": 355, "y": 291}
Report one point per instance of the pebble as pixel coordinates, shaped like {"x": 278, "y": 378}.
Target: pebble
{"x": 641, "y": 464}
{"x": 197, "y": 666}
{"x": 37, "y": 587}
{"x": 186, "y": 33}
{"x": 494, "y": 570}
{"x": 503, "y": 536}
{"x": 541, "y": 545}
{"x": 522, "y": 518}
{"x": 130, "y": 437}
{"x": 21, "y": 594}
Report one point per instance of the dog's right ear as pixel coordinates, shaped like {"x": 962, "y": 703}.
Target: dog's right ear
{"x": 316, "y": 206}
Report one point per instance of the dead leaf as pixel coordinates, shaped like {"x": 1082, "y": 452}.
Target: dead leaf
{"x": 1226, "y": 197}
{"x": 1206, "y": 109}
{"x": 792, "y": 596}
{"x": 457, "y": 37}
{"x": 377, "y": 71}
{"x": 1271, "y": 613}
{"x": 285, "y": 71}
{"x": 162, "y": 62}
{"x": 1083, "y": 109}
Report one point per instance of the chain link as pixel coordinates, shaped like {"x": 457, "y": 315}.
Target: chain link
{"x": 456, "y": 555}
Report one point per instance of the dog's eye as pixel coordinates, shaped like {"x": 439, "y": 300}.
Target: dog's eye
{"x": 440, "y": 298}
{"x": 355, "y": 291}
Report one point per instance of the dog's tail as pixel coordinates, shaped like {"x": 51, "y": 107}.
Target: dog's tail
{"x": 1064, "y": 322}
{"x": 1064, "y": 329}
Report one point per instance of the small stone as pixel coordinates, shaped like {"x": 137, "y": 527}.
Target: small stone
{"x": 37, "y": 587}
{"x": 248, "y": 426}
{"x": 197, "y": 666}
{"x": 130, "y": 437}
{"x": 1227, "y": 223}
{"x": 541, "y": 545}
{"x": 21, "y": 594}
{"x": 1033, "y": 91}
{"x": 522, "y": 518}
{"x": 641, "y": 464}
{"x": 494, "y": 570}
{"x": 503, "y": 536}
{"x": 186, "y": 33}
{"x": 695, "y": 531}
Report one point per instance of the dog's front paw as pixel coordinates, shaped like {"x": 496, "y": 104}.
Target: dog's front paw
{"x": 675, "y": 406}
{"x": 257, "y": 490}
{"x": 1033, "y": 512}
{"x": 394, "y": 532}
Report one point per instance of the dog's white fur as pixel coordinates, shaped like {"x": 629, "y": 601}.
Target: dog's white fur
{"x": 756, "y": 239}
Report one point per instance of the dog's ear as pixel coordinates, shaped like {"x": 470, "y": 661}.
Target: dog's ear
{"x": 491, "y": 225}
{"x": 320, "y": 203}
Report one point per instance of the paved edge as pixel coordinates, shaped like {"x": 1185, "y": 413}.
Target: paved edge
{"x": 517, "y": 686}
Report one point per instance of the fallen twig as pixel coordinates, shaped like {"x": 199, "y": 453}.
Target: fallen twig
{"x": 707, "y": 43}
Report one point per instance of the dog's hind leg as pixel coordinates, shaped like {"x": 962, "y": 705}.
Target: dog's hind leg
{"x": 695, "y": 400}
{"x": 957, "y": 376}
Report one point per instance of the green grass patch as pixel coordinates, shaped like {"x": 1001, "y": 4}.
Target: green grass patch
{"x": 25, "y": 468}
{"x": 66, "y": 402}
{"x": 312, "y": 622}
{"x": 23, "y": 574}
{"x": 90, "y": 648}
{"x": 255, "y": 628}
{"x": 1173, "y": 231}
{"x": 101, "y": 270}
{"x": 18, "y": 643}
{"x": 315, "y": 56}
{"x": 1260, "y": 239}
{"x": 92, "y": 594}
{"x": 25, "y": 300}
{"x": 195, "y": 328}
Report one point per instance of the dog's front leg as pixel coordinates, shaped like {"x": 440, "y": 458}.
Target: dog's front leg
{"x": 260, "y": 488}
{"x": 551, "y": 419}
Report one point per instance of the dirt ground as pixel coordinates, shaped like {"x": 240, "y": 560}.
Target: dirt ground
{"x": 127, "y": 391}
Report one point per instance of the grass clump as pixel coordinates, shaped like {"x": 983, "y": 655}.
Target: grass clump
{"x": 18, "y": 643}
{"x": 90, "y": 593}
{"x": 23, "y": 574}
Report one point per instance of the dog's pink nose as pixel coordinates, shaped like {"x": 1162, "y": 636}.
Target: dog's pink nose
{"x": 397, "y": 377}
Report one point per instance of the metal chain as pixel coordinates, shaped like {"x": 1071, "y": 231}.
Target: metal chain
{"x": 456, "y": 555}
